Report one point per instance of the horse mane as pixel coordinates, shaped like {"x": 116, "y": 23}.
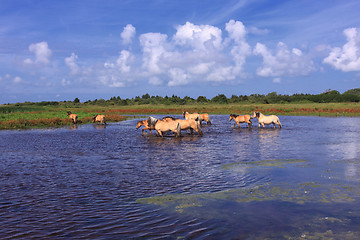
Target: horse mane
{"x": 152, "y": 121}
{"x": 69, "y": 112}
{"x": 233, "y": 115}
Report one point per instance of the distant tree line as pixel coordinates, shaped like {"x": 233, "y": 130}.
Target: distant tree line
{"x": 328, "y": 96}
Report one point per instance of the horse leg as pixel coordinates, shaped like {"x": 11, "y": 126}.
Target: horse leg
{"x": 191, "y": 131}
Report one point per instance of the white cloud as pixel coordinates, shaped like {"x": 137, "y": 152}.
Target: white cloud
{"x": 241, "y": 50}
{"x": 198, "y": 37}
{"x": 41, "y": 51}
{"x": 123, "y": 61}
{"x": 178, "y": 77}
{"x": 71, "y": 63}
{"x": 153, "y": 47}
{"x": 128, "y": 34}
{"x": 283, "y": 62}
{"x": 17, "y": 79}
{"x": 346, "y": 58}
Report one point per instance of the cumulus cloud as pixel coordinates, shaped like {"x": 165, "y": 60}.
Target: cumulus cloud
{"x": 198, "y": 37}
{"x": 128, "y": 34}
{"x": 346, "y": 58}
{"x": 154, "y": 47}
{"x": 284, "y": 62}
{"x": 41, "y": 51}
{"x": 71, "y": 63}
{"x": 241, "y": 50}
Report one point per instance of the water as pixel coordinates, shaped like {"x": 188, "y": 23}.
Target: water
{"x": 94, "y": 182}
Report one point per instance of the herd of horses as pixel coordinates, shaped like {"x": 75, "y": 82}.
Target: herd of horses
{"x": 193, "y": 121}
{"x": 98, "y": 118}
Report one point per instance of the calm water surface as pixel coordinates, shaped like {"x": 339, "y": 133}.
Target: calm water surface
{"x": 92, "y": 182}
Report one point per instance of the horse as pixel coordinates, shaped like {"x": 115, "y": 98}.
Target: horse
{"x": 190, "y": 124}
{"x": 99, "y": 118}
{"x": 162, "y": 126}
{"x": 168, "y": 118}
{"x": 241, "y": 119}
{"x": 263, "y": 119}
{"x": 187, "y": 115}
{"x": 201, "y": 117}
{"x": 72, "y": 116}
{"x": 146, "y": 126}
{"x": 205, "y": 117}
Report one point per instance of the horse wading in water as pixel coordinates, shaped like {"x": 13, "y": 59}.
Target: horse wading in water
{"x": 163, "y": 126}
{"x": 241, "y": 119}
{"x": 200, "y": 117}
{"x": 263, "y": 119}
{"x": 72, "y": 116}
{"x": 99, "y": 118}
{"x": 146, "y": 126}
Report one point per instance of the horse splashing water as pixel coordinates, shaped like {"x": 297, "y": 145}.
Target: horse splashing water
{"x": 163, "y": 126}
{"x": 241, "y": 119}
{"x": 146, "y": 126}
{"x": 266, "y": 120}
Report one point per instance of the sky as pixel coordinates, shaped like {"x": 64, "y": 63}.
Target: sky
{"x": 91, "y": 49}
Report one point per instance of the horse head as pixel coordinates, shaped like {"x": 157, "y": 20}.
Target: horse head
{"x": 184, "y": 113}
{"x": 232, "y": 116}
{"x": 94, "y": 118}
{"x": 68, "y": 113}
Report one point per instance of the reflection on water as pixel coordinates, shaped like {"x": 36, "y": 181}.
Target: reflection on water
{"x": 86, "y": 181}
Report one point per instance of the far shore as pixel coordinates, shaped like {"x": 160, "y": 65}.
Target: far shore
{"x": 13, "y": 117}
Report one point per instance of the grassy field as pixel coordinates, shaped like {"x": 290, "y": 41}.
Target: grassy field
{"x": 23, "y": 117}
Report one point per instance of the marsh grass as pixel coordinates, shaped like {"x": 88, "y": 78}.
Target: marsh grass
{"x": 19, "y": 117}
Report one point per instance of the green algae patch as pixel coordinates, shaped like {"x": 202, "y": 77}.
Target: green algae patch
{"x": 280, "y": 163}
{"x": 308, "y": 192}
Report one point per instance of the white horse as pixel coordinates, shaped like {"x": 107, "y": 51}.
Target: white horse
{"x": 263, "y": 119}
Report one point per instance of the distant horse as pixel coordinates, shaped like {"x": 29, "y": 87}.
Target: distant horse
{"x": 241, "y": 119}
{"x": 162, "y": 126}
{"x": 146, "y": 126}
{"x": 99, "y": 118}
{"x": 263, "y": 119}
{"x": 72, "y": 116}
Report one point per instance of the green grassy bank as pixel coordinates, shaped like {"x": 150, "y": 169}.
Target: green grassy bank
{"x": 34, "y": 116}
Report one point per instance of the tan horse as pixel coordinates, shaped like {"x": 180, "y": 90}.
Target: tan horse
{"x": 263, "y": 119}
{"x": 241, "y": 119}
{"x": 187, "y": 115}
{"x": 205, "y": 117}
{"x": 201, "y": 117}
{"x": 72, "y": 116}
{"x": 99, "y": 118}
{"x": 162, "y": 126}
{"x": 146, "y": 126}
{"x": 190, "y": 124}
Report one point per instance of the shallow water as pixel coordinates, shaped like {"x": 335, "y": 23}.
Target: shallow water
{"x": 298, "y": 182}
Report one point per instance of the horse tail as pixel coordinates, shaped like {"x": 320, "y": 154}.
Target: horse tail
{"x": 178, "y": 129}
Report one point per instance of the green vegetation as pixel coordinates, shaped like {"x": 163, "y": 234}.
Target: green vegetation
{"x": 52, "y": 113}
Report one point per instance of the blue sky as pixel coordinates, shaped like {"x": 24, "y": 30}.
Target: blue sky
{"x": 60, "y": 50}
